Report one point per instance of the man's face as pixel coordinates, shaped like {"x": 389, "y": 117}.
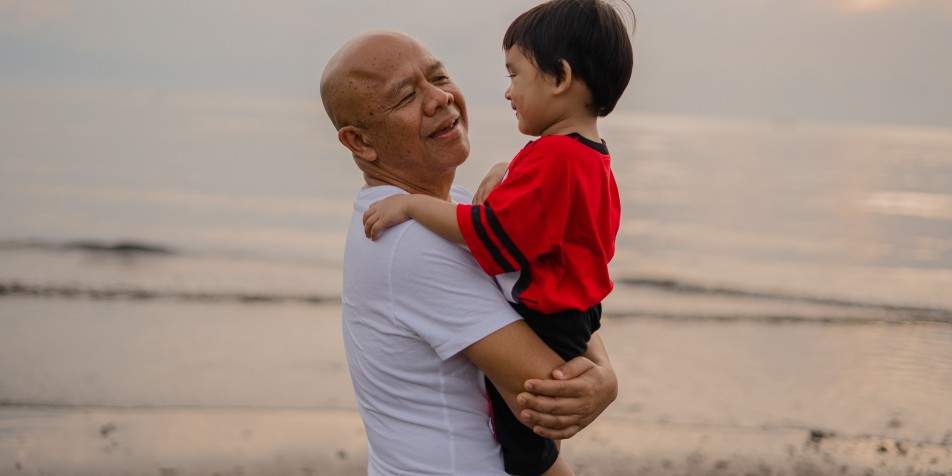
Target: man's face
{"x": 416, "y": 115}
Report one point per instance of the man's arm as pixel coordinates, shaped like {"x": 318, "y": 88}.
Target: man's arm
{"x": 510, "y": 356}
{"x": 577, "y": 393}
{"x": 514, "y": 357}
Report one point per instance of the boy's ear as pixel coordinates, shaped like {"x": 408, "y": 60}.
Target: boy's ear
{"x": 355, "y": 139}
{"x": 566, "y": 83}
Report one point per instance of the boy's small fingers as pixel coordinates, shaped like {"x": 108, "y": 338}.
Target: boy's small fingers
{"x": 368, "y": 227}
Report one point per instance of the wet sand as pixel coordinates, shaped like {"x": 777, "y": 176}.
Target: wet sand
{"x": 98, "y": 441}
{"x": 263, "y": 389}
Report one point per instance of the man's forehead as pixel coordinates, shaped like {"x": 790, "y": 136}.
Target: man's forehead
{"x": 371, "y": 69}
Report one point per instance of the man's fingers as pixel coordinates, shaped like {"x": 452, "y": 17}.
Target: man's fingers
{"x": 543, "y": 404}
{"x": 547, "y": 420}
{"x": 559, "y": 434}
{"x": 549, "y": 388}
{"x": 573, "y": 368}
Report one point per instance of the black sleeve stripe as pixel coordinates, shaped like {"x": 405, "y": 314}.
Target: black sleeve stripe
{"x": 487, "y": 242}
{"x": 504, "y": 238}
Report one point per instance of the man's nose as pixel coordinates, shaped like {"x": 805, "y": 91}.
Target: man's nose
{"x": 437, "y": 99}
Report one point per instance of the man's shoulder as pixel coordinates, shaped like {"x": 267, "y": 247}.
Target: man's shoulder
{"x": 460, "y": 194}
{"x": 418, "y": 248}
{"x": 368, "y": 195}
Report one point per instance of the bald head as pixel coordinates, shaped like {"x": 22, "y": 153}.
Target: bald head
{"x": 355, "y": 69}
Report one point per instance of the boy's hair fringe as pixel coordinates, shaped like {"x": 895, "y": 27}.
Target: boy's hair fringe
{"x": 591, "y": 35}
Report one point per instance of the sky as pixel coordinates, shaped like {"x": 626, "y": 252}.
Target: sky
{"x": 884, "y": 61}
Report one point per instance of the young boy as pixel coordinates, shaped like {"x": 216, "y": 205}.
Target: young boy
{"x": 547, "y": 226}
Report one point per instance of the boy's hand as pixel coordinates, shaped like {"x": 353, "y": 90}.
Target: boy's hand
{"x": 386, "y": 213}
{"x": 492, "y": 180}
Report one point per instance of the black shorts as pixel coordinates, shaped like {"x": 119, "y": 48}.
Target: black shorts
{"x": 567, "y": 333}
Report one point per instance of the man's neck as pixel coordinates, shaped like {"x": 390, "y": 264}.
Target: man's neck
{"x": 441, "y": 191}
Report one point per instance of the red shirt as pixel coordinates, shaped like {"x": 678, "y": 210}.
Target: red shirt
{"x": 555, "y": 217}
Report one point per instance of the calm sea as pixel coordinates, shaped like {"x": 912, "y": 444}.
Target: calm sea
{"x": 149, "y": 196}
{"x": 181, "y": 200}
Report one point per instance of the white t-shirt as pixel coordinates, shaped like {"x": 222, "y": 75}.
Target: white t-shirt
{"x": 411, "y": 302}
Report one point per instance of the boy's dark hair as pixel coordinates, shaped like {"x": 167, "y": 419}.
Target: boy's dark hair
{"x": 589, "y": 34}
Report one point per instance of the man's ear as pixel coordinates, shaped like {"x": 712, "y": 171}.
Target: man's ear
{"x": 566, "y": 83}
{"x": 355, "y": 139}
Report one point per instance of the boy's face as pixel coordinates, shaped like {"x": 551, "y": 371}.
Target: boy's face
{"x": 529, "y": 94}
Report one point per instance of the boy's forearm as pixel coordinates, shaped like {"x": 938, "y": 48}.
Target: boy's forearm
{"x": 437, "y": 216}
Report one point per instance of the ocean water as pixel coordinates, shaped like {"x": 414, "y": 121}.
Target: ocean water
{"x": 246, "y": 197}
{"x": 139, "y": 206}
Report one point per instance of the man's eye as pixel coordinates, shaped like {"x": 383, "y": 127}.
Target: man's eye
{"x": 441, "y": 79}
{"x": 407, "y": 98}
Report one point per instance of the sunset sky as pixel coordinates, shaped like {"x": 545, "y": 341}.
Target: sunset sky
{"x": 814, "y": 60}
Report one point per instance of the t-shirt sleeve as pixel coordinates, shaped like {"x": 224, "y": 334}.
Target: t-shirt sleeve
{"x": 441, "y": 294}
{"x": 523, "y": 218}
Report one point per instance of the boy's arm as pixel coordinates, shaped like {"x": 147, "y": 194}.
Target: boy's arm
{"x": 578, "y": 392}
{"x": 492, "y": 180}
{"x": 436, "y": 215}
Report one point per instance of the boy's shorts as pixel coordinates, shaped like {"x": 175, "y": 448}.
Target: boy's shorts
{"x": 567, "y": 333}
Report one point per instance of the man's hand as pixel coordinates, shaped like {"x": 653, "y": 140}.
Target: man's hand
{"x": 386, "y": 213}
{"x": 578, "y": 392}
{"x": 492, "y": 180}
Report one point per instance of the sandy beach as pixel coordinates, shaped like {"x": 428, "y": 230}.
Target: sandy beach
{"x": 264, "y": 389}
{"x": 173, "y": 205}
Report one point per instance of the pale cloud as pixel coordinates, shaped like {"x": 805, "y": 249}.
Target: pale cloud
{"x": 923, "y": 205}
{"x": 29, "y": 14}
{"x": 861, "y": 6}
{"x": 866, "y": 6}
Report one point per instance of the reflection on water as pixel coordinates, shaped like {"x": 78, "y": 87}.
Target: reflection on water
{"x": 832, "y": 211}
{"x": 855, "y": 212}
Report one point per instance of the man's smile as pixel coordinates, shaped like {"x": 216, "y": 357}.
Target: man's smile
{"x": 446, "y": 128}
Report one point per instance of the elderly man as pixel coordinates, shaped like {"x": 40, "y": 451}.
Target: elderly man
{"x": 421, "y": 320}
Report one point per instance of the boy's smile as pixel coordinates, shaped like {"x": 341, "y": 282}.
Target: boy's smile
{"x": 529, "y": 94}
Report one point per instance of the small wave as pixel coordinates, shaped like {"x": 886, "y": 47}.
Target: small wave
{"x": 73, "y": 292}
{"x": 119, "y": 247}
{"x": 898, "y": 312}
{"x": 870, "y": 313}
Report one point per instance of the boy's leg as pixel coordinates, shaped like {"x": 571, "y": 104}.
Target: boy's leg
{"x": 524, "y": 452}
{"x": 560, "y": 468}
